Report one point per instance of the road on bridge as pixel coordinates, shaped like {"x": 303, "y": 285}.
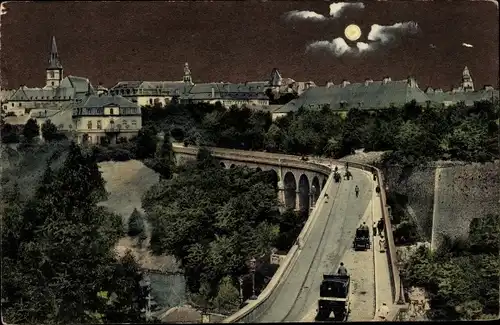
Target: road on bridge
{"x": 331, "y": 236}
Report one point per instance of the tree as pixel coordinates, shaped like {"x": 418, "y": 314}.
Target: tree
{"x": 49, "y": 131}
{"x": 165, "y": 159}
{"x": 9, "y": 133}
{"x": 58, "y": 248}
{"x": 129, "y": 292}
{"x": 227, "y": 298}
{"x": 234, "y": 217}
{"x": 31, "y": 130}
{"x": 146, "y": 143}
{"x": 135, "y": 224}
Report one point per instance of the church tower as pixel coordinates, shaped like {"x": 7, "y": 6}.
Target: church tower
{"x": 55, "y": 69}
{"x": 187, "y": 74}
{"x": 467, "y": 84}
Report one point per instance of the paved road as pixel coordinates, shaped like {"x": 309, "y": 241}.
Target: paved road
{"x": 331, "y": 235}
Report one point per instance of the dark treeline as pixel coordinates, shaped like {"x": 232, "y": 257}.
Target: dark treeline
{"x": 411, "y": 134}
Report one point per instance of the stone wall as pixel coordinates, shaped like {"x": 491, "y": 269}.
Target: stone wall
{"x": 417, "y": 185}
{"x": 463, "y": 193}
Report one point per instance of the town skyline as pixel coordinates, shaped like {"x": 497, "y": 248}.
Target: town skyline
{"x": 429, "y": 63}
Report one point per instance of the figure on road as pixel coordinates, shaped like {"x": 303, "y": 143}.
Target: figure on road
{"x": 381, "y": 243}
{"x": 377, "y": 189}
{"x": 342, "y": 270}
{"x": 380, "y": 226}
{"x": 356, "y": 189}
{"x": 374, "y": 229}
{"x": 383, "y": 312}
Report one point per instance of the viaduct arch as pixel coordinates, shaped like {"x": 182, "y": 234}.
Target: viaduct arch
{"x": 299, "y": 183}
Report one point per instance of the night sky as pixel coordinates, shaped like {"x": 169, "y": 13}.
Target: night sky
{"x": 243, "y": 41}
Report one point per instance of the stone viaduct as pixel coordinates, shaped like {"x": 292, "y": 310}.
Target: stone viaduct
{"x": 299, "y": 183}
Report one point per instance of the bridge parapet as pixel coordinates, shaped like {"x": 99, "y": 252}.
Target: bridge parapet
{"x": 255, "y": 308}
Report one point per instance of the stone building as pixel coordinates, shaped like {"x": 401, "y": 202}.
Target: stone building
{"x": 367, "y": 95}
{"x": 102, "y": 119}
{"x": 57, "y": 92}
{"x": 151, "y": 93}
{"x": 465, "y": 93}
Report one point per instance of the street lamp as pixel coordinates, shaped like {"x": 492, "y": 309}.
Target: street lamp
{"x": 313, "y": 195}
{"x": 253, "y": 263}
{"x": 400, "y": 265}
{"x": 240, "y": 280}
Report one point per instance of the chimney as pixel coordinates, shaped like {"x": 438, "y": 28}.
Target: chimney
{"x": 368, "y": 81}
{"x": 329, "y": 84}
{"x": 386, "y": 80}
{"x": 345, "y": 83}
{"x": 213, "y": 92}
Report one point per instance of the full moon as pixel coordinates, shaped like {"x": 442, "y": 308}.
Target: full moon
{"x": 352, "y": 32}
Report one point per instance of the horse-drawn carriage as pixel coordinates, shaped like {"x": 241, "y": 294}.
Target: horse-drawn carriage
{"x": 333, "y": 303}
{"x": 362, "y": 239}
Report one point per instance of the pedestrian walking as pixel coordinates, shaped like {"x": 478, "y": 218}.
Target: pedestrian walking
{"x": 356, "y": 189}
{"x": 342, "y": 270}
{"x": 374, "y": 229}
{"x": 380, "y": 226}
{"x": 377, "y": 189}
{"x": 381, "y": 243}
{"x": 383, "y": 312}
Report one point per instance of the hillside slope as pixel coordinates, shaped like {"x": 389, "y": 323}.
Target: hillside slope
{"x": 126, "y": 182}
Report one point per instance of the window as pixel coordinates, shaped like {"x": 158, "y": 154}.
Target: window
{"x": 99, "y": 126}
{"x": 134, "y": 123}
{"x": 111, "y": 111}
{"x": 52, "y": 83}
{"x": 150, "y": 101}
{"x": 19, "y": 105}
{"x": 89, "y": 125}
{"x": 124, "y": 122}
{"x": 12, "y": 104}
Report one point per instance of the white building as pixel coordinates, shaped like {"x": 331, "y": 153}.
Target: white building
{"x": 150, "y": 93}
{"x": 106, "y": 119}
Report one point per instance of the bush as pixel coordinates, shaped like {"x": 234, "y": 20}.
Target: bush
{"x": 118, "y": 152}
{"x": 135, "y": 224}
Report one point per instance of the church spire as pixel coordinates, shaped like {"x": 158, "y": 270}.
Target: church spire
{"x": 187, "y": 74}
{"x": 54, "y": 72}
{"x": 467, "y": 83}
{"x": 54, "y": 62}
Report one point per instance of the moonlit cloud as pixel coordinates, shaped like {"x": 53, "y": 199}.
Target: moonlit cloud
{"x": 338, "y": 46}
{"x": 336, "y": 9}
{"x": 379, "y": 37}
{"x": 387, "y": 34}
{"x": 467, "y": 45}
{"x": 304, "y": 15}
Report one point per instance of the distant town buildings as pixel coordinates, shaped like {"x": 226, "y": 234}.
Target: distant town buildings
{"x": 98, "y": 115}
{"x": 74, "y": 107}
{"x": 372, "y": 95}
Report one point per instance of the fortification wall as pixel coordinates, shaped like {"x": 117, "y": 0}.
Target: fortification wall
{"x": 463, "y": 193}
{"x": 417, "y": 185}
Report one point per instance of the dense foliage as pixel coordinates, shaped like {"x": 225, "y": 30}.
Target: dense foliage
{"x": 462, "y": 276}
{"x": 213, "y": 220}
{"x": 411, "y": 133}
{"x": 58, "y": 260}
{"x": 31, "y": 130}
